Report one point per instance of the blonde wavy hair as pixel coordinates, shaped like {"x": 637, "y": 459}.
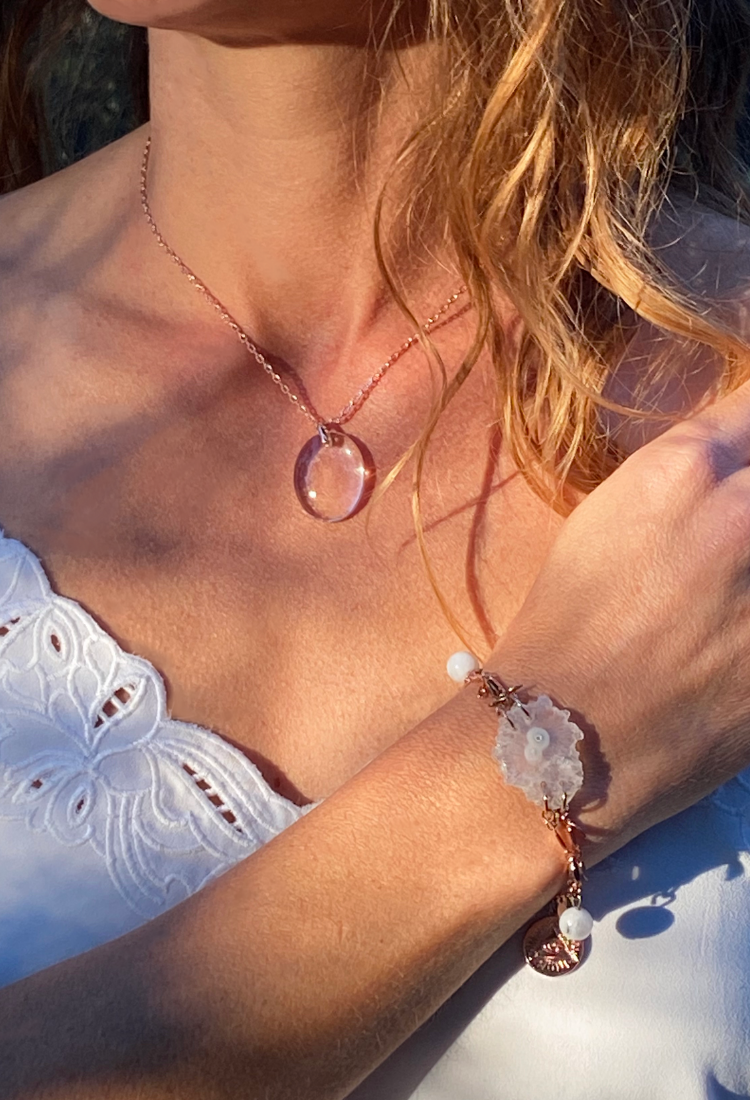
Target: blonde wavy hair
{"x": 562, "y": 130}
{"x": 566, "y": 127}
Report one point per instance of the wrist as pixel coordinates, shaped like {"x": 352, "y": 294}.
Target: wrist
{"x": 617, "y": 790}
{"x": 537, "y": 749}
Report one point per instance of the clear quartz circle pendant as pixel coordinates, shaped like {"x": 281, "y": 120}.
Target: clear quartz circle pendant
{"x": 334, "y": 475}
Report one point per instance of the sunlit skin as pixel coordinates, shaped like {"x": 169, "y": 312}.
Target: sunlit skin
{"x": 154, "y": 479}
{"x": 266, "y": 165}
{"x": 270, "y": 160}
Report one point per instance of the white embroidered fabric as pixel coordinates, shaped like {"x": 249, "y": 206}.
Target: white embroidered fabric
{"x": 89, "y": 754}
{"x": 111, "y": 812}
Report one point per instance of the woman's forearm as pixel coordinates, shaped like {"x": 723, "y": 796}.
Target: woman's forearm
{"x": 298, "y": 971}
{"x": 295, "y": 973}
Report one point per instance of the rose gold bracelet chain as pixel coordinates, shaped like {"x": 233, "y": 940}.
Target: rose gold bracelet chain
{"x": 536, "y": 748}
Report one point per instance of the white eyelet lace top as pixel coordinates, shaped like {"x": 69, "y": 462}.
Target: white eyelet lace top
{"x": 111, "y": 812}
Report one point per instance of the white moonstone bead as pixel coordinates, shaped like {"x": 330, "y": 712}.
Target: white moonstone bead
{"x": 576, "y": 924}
{"x": 537, "y": 740}
{"x": 538, "y": 737}
{"x": 460, "y": 665}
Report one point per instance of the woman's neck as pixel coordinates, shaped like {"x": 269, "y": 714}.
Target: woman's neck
{"x": 266, "y": 167}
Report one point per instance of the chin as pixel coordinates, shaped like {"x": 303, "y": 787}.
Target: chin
{"x": 238, "y": 21}
{"x": 188, "y": 15}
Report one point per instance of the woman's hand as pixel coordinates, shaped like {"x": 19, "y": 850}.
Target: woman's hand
{"x": 640, "y": 620}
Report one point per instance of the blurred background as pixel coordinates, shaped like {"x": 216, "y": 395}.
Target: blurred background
{"x": 83, "y": 76}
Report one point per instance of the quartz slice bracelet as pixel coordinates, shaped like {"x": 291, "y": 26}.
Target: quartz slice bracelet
{"x": 536, "y": 749}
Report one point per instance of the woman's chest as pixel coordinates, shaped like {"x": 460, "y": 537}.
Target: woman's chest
{"x": 311, "y": 646}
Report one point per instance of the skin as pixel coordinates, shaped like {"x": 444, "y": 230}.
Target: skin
{"x": 161, "y": 471}
{"x": 154, "y": 481}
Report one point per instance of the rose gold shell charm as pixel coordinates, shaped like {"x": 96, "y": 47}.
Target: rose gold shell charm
{"x": 546, "y": 948}
{"x": 549, "y": 952}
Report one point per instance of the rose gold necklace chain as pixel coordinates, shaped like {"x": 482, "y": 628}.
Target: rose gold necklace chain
{"x": 335, "y": 473}
{"x": 352, "y": 406}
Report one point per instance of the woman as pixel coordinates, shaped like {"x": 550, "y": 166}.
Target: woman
{"x": 575, "y": 168}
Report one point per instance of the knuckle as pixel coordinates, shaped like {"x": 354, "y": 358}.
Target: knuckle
{"x": 705, "y": 457}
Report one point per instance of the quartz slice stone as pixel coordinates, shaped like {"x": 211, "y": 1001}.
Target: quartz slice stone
{"x": 537, "y": 749}
{"x": 334, "y": 475}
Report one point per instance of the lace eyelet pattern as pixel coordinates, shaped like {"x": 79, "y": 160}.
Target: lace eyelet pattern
{"x": 89, "y": 753}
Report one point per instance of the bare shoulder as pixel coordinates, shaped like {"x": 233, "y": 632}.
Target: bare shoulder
{"x": 59, "y": 214}
{"x": 64, "y": 255}
{"x": 61, "y": 247}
